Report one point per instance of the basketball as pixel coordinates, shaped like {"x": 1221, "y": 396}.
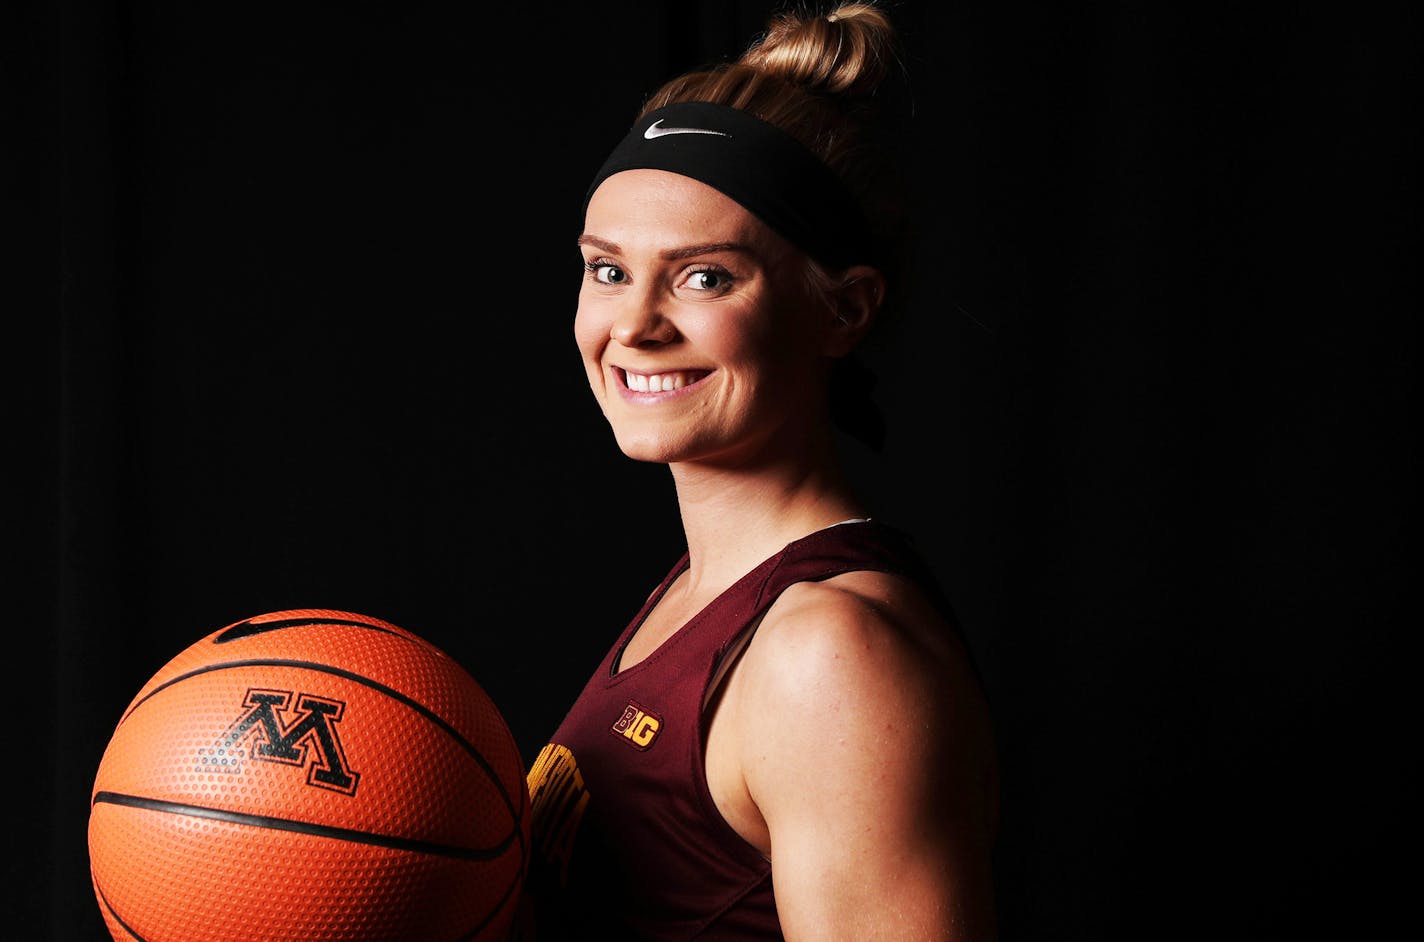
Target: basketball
{"x": 309, "y": 774}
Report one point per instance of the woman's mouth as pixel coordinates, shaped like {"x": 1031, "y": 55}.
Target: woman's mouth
{"x": 660, "y": 382}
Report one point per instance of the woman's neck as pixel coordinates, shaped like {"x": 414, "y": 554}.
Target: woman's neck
{"x": 734, "y": 519}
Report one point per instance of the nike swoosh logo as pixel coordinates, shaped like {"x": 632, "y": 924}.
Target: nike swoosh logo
{"x": 657, "y": 130}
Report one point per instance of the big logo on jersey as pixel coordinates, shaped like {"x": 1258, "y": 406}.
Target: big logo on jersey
{"x": 309, "y": 739}
{"x": 638, "y": 726}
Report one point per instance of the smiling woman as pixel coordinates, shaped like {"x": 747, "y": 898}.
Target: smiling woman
{"x": 671, "y": 323}
{"x": 788, "y": 739}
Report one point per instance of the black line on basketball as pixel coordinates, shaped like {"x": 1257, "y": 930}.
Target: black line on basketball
{"x": 248, "y": 629}
{"x": 117, "y": 918}
{"x": 304, "y": 827}
{"x": 497, "y": 908}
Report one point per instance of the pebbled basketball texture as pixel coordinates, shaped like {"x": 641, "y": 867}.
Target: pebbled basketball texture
{"x": 310, "y": 774}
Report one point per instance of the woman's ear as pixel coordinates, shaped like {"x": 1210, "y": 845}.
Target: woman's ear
{"x": 856, "y": 303}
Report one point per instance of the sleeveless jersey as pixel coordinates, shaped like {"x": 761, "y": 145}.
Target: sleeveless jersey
{"x": 626, "y": 838}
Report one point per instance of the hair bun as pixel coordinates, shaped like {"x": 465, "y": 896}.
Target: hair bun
{"x": 842, "y": 51}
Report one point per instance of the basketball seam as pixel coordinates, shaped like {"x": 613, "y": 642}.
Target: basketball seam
{"x": 273, "y": 823}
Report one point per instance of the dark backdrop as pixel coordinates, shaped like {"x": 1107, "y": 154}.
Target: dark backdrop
{"x": 292, "y": 328}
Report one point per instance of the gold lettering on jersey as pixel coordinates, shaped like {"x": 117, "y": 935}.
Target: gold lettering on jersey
{"x": 637, "y": 726}
{"x": 558, "y": 798}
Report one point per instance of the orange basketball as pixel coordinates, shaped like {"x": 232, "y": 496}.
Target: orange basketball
{"x": 315, "y": 775}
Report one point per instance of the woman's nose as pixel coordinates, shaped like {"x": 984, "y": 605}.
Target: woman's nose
{"x": 640, "y": 320}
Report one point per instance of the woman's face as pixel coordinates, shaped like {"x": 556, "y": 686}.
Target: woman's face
{"x": 699, "y": 334}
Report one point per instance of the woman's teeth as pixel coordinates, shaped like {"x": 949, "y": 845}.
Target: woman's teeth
{"x": 659, "y": 382}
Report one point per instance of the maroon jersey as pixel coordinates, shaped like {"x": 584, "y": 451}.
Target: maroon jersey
{"x": 627, "y": 840}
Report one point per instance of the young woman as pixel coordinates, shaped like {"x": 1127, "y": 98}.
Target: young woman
{"x": 789, "y": 739}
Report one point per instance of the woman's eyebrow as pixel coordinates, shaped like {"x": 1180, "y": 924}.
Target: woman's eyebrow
{"x": 707, "y": 248}
{"x": 612, "y": 248}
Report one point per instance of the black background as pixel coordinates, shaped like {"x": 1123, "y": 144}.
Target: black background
{"x": 294, "y": 295}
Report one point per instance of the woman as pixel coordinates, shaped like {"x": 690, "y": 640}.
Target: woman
{"x": 789, "y": 739}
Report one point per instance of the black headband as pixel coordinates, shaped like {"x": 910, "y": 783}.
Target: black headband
{"x": 763, "y": 168}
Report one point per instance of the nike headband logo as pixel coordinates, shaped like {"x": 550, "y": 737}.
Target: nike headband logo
{"x": 657, "y": 130}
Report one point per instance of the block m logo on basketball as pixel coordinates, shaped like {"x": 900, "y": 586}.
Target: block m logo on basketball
{"x": 309, "y": 740}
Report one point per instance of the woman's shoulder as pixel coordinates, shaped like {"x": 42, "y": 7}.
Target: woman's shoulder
{"x": 861, "y": 635}
{"x": 863, "y": 678}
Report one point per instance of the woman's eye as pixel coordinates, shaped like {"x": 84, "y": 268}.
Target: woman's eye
{"x": 605, "y": 273}
{"x": 708, "y": 280}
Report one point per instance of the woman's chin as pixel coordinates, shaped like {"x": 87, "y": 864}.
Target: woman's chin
{"x": 654, "y": 444}
{"x": 647, "y": 448}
